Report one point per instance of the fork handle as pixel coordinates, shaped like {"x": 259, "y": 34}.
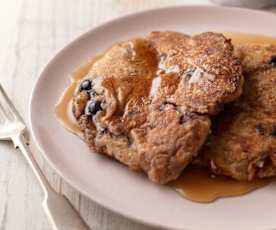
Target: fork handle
{"x": 60, "y": 212}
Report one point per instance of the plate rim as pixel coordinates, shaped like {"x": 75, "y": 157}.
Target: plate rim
{"x": 77, "y": 39}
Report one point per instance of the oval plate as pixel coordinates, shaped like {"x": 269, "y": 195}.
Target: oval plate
{"x": 112, "y": 184}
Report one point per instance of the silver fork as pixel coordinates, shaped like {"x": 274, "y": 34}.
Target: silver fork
{"x": 58, "y": 209}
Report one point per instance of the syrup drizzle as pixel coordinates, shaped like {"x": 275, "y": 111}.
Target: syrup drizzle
{"x": 194, "y": 184}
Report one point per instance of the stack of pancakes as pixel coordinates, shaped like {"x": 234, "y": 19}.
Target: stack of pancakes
{"x": 165, "y": 101}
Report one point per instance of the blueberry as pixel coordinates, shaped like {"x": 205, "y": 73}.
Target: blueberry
{"x": 273, "y": 131}
{"x": 93, "y": 107}
{"x": 85, "y": 85}
{"x": 104, "y": 131}
{"x": 237, "y": 61}
{"x": 273, "y": 61}
{"x": 164, "y": 104}
{"x": 260, "y": 129}
{"x": 163, "y": 56}
{"x": 183, "y": 119}
{"x": 189, "y": 73}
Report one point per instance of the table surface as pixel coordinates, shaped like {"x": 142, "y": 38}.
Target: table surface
{"x": 31, "y": 33}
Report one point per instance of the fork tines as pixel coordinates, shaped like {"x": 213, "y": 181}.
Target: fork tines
{"x": 7, "y": 109}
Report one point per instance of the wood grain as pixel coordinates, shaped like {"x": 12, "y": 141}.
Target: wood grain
{"x": 42, "y": 28}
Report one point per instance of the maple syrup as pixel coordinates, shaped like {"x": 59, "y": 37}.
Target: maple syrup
{"x": 194, "y": 184}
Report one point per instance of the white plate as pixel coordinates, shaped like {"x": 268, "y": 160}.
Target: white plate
{"x": 112, "y": 184}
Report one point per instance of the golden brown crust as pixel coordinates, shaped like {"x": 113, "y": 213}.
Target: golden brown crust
{"x": 244, "y": 149}
{"x": 243, "y": 144}
{"x": 255, "y": 57}
{"x": 167, "y": 143}
{"x": 138, "y": 113}
{"x": 259, "y": 90}
{"x": 210, "y": 75}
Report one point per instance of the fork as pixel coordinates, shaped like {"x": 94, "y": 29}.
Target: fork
{"x": 58, "y": 209}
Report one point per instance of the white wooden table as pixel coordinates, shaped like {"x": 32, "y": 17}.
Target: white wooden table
{"x": 40, "y": 28}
